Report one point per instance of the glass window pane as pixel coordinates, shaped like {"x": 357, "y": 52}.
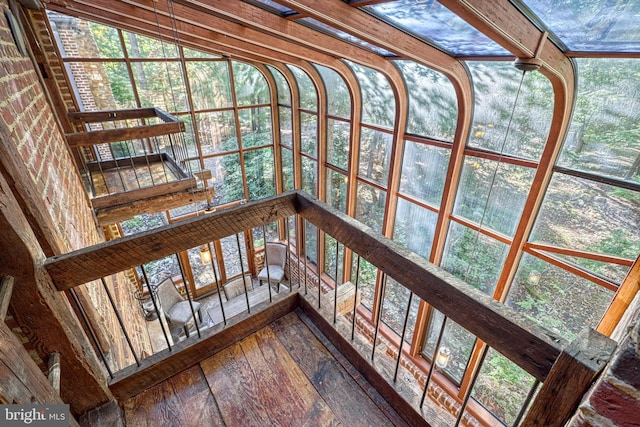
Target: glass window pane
{"x": 287, "y": 168}
{"x": 394, "y": 306}
{"x": 251, "y": 86}
{"x": 603, "y": 137}
{"x": 101, "y": 85}
{"x": 306, "y": 88}
{"x": 375, "y": 155}
{"x": 433, "y": 21}
{"x": 459, "y": 342}
{"x": 584, "y": 215}
{"x": 309, "y": 134}
{"x": 591, "y": 26}
{"x": 284, "y": 92}
{"x": 258, "y": 165}
{"x": 495, "y": 86}
{"x": 203, "y": 273}
{"x": 378, "y": 101}
{"x": 502, "y": 387}
{"x": 210, "y": 84}
{"x": 160, "y": 84}
{"x": 255, "y": 125}
{"x": 286, "y": 127}
{"x": 414, "y": 227}
{"x": 231, "y": 255}
{"x": 556, "y": 299}
{"x": 336, "y": 190}
{"x": 139, "y": 46}
{"x": 217, "y": 132}
{"x": 143, "y": 222}
{"x": 493, "y": 194}
{"x": 433, "y": 104}
{"x": 309, "y": 176}
{"x": 190, "y": 139}
{"x": 227, "y": 181}
{"x": 159, "y": 269}
{"x": 370, "y": 204}
{"x": 330, "y": 258}
{"x": 424, "y": 169}
{"x": 473, "y": 257}
{"x": 338, "y": 96}
{"x": 106, "y": 40}
{"x": 193, "y": 53}
{"x": 338, "y": 137}
{"x": 77, "y": 38}
{"x": 311, "y": 242}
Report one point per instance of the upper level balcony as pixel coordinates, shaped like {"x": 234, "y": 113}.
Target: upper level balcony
{"x": 132, "y": 161}
{"x": 370, "y": 338}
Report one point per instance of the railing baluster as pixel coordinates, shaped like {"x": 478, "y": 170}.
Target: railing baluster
{"x": 433, "y": 360}
{"x": 404, "y": 330}
{"x": 286, "y": 235}
{"x": 305, "y": 272}
{"x": 115, "y": 161}
{"x": 92, "y": 333}
{"x": 215, "y": 277}
{"x": 527, "y": 401}
{"x": 266, "y": 262}
{"x": 119, "y": 317}
{"x": 355, "y": 300}
{"x": 474, "y": 377}
{"x": 186, "y": 289}
{"x": 335, "y": 291}
{"x": 133, "y": 166}
{"x": 155, "y": 306}
{"x": 379, "y": 316}
{"x": 246, "y": 293}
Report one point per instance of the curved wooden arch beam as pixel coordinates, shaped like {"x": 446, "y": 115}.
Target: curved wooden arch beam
{"x": 350, "y": 20}
{"x": 504, "y": 24}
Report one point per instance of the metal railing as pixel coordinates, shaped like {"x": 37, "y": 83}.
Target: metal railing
{"x": 124, "y": 151}
{"x": 547, "y": 357}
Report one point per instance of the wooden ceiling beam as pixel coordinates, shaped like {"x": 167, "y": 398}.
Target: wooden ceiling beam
{"x": 87, "y": 264}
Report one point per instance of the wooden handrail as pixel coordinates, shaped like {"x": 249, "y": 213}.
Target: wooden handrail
{"x": 566, "y": 370}
{"x": 171, "y": 125}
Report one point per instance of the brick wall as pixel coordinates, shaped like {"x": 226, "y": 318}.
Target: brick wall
{"x": 40, "y": 146}
{"x": 49, "y": 181}
{"x": 614, "y": 400}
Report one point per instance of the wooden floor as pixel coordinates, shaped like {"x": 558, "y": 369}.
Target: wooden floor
{"x": 280, "y": 375}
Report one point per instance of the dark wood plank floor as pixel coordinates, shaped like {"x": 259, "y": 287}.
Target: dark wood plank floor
{"x": 281, "y": 375}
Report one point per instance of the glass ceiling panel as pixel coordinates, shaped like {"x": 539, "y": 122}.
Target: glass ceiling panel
{"x": 322, "y": 27}
{"x": 592, "y": 25}
{"x": 430, "y": 20}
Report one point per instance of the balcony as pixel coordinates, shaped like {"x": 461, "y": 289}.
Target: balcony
{"x": 373, "y": 353}
{"x": 132, "y": 161}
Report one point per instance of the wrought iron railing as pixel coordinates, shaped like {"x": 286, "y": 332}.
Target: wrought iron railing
{"x": 564, "y": 369}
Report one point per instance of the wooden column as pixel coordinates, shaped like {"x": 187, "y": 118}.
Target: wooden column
{"x": 44, "y": 313}
{"x": 570, "y": 377}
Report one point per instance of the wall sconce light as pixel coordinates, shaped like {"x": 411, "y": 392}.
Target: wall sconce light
{"x": 534, "y": 277}
{"x": 442, "y": 360}
{"x": 205, "y": 254}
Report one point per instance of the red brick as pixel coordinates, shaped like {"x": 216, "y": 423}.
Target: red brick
{"x": 616, "y": 405}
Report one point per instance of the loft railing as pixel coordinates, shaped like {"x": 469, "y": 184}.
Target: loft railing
{"x": 565, "y": 369}
{"x": 128, "y": 155}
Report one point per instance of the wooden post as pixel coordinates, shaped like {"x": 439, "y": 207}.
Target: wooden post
{"x": 6, "y": 287}
{"x": 572, "y": 374}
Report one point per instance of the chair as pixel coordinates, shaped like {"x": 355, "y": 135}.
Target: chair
{"x": 237, "y": 286}
{"x": 274, "y": 262}
{"x": 176, "y": 308}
